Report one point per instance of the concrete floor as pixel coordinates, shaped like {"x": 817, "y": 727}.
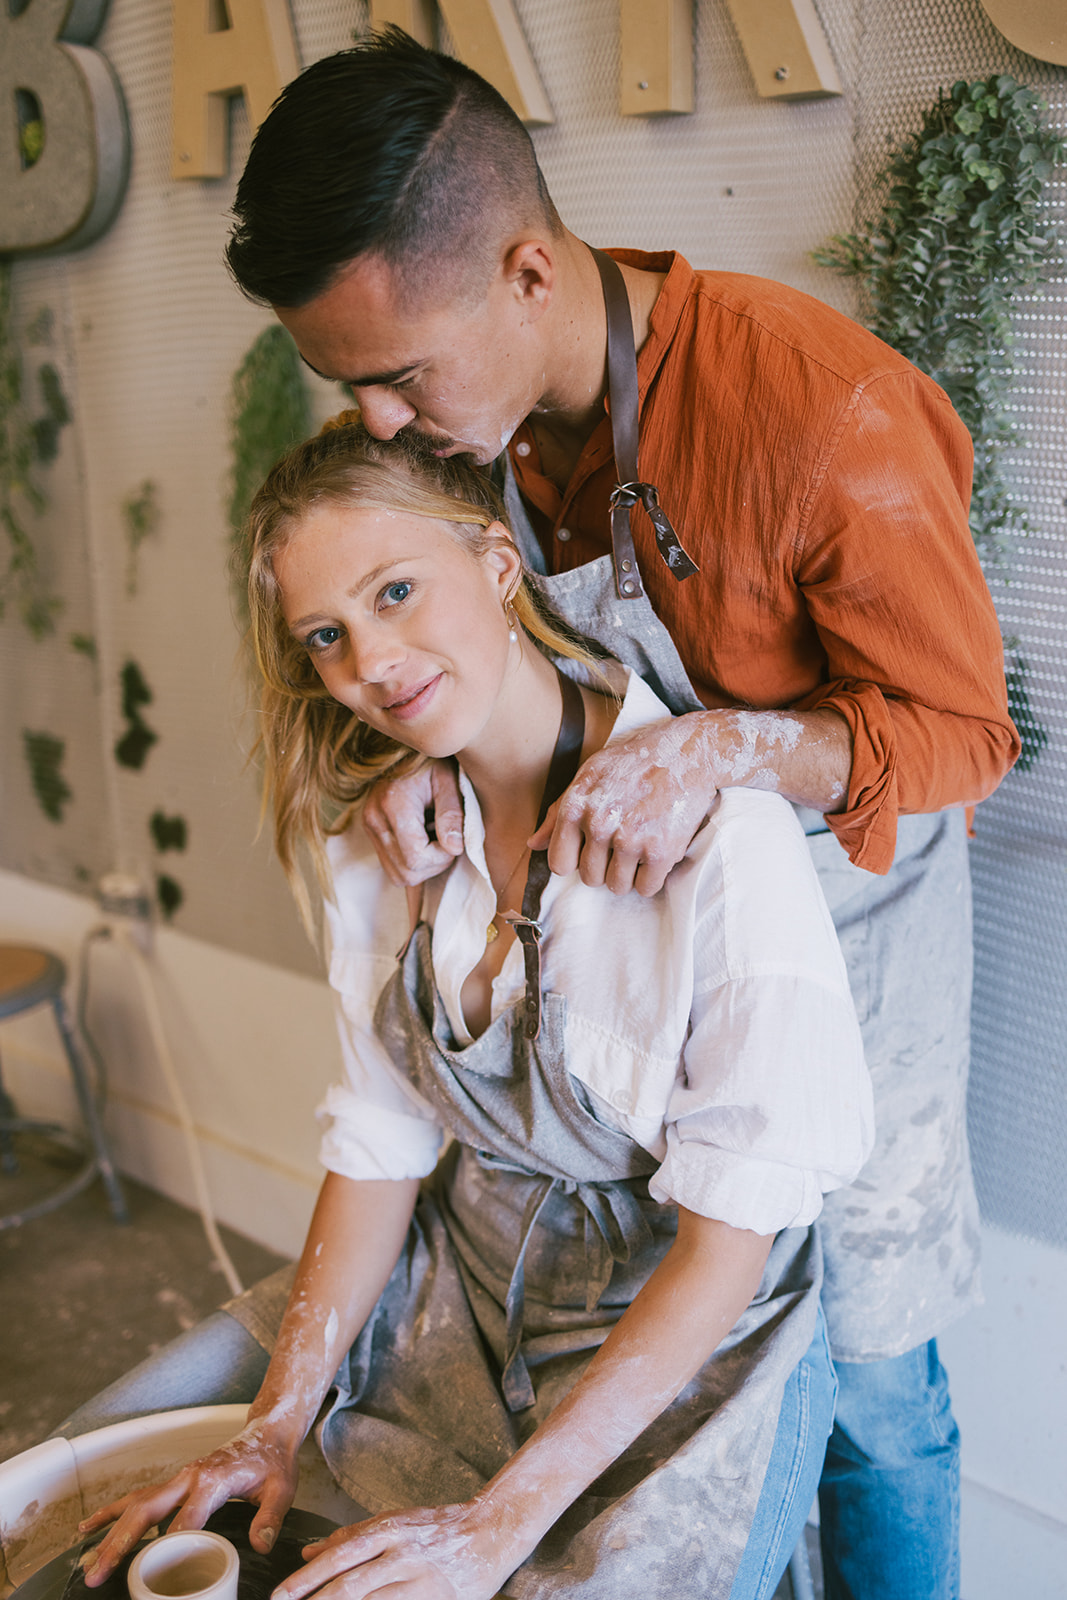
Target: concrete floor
{"x": 84, "y": 1299}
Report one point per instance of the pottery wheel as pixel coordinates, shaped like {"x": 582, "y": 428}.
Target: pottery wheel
{"x": 61, "y": 1579}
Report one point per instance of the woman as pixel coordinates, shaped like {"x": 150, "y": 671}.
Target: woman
{"x": 559, "y": 1368}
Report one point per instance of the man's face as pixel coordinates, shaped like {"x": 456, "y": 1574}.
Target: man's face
{"x": 462, "y": 376}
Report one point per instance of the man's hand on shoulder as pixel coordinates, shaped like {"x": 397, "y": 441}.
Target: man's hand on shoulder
{"x": 632, "y": 811}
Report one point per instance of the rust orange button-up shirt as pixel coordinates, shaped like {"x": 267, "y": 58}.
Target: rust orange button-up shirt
{"x": 821, "y": 483}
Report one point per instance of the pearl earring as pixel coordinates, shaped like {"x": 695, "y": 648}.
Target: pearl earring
{"x": 513, "y": 624}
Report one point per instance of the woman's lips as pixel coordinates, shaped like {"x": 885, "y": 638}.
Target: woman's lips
{"x": 411, "y": 703}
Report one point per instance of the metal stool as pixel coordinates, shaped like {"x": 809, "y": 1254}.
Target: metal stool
{"x": 29, "y": 977}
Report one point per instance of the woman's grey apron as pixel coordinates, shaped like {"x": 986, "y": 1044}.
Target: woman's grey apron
{"x": 901, "y": 1245}
{"x": 529, "y": 1242}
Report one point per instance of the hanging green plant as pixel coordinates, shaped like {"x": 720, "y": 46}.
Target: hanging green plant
{"x": 270, "y": 413}
{"x": 962, "y": 232}
{"x": 26, "y": 443}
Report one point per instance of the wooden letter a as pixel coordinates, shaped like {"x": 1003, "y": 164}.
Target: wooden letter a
{"x": 223, "y": 48}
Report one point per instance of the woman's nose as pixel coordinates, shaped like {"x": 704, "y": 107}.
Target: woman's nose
{"x": 375, "y": 656}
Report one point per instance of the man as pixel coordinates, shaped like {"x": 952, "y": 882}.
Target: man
{"x": 838, "y": 635}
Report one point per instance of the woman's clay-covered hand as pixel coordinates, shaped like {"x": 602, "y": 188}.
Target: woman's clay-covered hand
{"x": 395, "y": 817}
{"x": 453, "y": 1552}
{"x": 253, "y": 1466}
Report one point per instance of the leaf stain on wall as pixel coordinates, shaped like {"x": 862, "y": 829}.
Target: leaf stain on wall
{"x": 169, "y": 833}
{"x": 132, "y": 749}
{"x": 44, "y": 756}
{"x": 169, "y": 893}
{"x": 140, "y": 517}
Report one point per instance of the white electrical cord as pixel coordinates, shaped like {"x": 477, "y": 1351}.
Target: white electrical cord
{"x": 166, "y": 1062}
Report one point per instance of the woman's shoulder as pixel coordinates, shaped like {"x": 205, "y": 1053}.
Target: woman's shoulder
{"x": 745, "y": 824}
{"x": 758, "y": 892}
{"x": 365, "y": 913}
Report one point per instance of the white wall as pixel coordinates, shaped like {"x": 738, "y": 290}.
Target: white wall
{"x": 254, "y": 1046}
{"x": 1007, "y": 1365}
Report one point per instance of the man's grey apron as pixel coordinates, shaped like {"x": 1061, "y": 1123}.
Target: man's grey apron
{"x": 901, "y": 1245}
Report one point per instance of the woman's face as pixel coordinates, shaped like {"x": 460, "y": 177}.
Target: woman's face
{"x": 403, "y": 626}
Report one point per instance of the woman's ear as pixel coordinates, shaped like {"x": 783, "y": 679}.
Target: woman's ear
{"x": 504, "y": 560}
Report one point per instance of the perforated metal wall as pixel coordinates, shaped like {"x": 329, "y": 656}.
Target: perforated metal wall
{"x": 1018, "y": 1100}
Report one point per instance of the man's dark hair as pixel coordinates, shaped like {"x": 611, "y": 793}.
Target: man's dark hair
{"x": 386, "y": 148}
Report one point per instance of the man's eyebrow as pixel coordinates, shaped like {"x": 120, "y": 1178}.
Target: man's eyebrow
{"x": 374, "y": 380}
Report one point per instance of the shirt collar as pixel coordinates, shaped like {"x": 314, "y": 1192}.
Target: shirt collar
{"x": 640, "y": 707}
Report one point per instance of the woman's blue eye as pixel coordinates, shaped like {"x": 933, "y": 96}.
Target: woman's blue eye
{"x": 322, "y": 638}
{"x": 396, "y": 593}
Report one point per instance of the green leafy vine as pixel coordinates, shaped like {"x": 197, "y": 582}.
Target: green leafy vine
{"x": 270, "y": 412}
{"x": 961, "y": 233}
{"x": 26, "y": 443}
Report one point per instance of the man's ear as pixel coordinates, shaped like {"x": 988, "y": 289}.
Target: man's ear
{"x": 529, "y": 270}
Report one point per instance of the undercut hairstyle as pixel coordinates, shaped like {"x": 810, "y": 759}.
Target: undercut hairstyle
{"x": 319, "y": 759}
{"x": 392, "y": 150}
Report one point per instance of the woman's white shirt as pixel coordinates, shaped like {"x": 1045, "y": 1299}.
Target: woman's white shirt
{"x": 711, "y": 1022}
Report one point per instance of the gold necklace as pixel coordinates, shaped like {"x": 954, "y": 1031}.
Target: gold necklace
{"x": 492, "y": 932}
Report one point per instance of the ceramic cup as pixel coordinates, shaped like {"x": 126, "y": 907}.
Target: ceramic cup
{"x": 185, "y": 1566}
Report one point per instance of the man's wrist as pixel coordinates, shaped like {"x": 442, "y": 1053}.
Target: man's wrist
{"x": 804, "y": 756}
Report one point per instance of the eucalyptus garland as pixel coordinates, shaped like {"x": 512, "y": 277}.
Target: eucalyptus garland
{"x": 270, "y": 412}
{"x": 962, "y": 232}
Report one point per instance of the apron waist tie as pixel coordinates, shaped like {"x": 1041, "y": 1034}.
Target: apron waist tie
{"x": 615, "y": 1230}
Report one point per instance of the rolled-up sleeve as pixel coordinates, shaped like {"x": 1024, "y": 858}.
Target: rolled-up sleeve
{"x": 374, "y": 1123}
{"x": 773, "y": 1107}
{"x": 891, "y": 580}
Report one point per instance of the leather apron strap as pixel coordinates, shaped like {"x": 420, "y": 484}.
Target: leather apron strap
{"x": 623, "y": 396}
{"x": 566, "y": 758}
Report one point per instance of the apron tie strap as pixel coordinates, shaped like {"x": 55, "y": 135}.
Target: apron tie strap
{"x": 615, "y": 1230}
{"x": 515, "y": 1379}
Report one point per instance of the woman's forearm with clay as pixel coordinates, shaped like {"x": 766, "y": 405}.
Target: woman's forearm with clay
{"x": 465, "y": 1552}
{"x": 352, "y": 1246}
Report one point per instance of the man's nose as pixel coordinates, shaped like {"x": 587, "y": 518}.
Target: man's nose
{"x": 383, "y": 411}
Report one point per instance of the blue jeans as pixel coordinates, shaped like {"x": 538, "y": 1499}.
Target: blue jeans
{"x": 889, "y": 1500}
{"x": 788, "y": 1491}
{"x": 215, "y": 1363}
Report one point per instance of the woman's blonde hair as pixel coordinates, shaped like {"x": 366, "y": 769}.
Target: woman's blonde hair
{"x": 319, "y": 759}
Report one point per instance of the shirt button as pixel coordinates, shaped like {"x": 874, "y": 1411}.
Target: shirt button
{"x": 563, "y": 535}
{"x": 619, "y": 1100}
{"x": 522, "y": 448}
